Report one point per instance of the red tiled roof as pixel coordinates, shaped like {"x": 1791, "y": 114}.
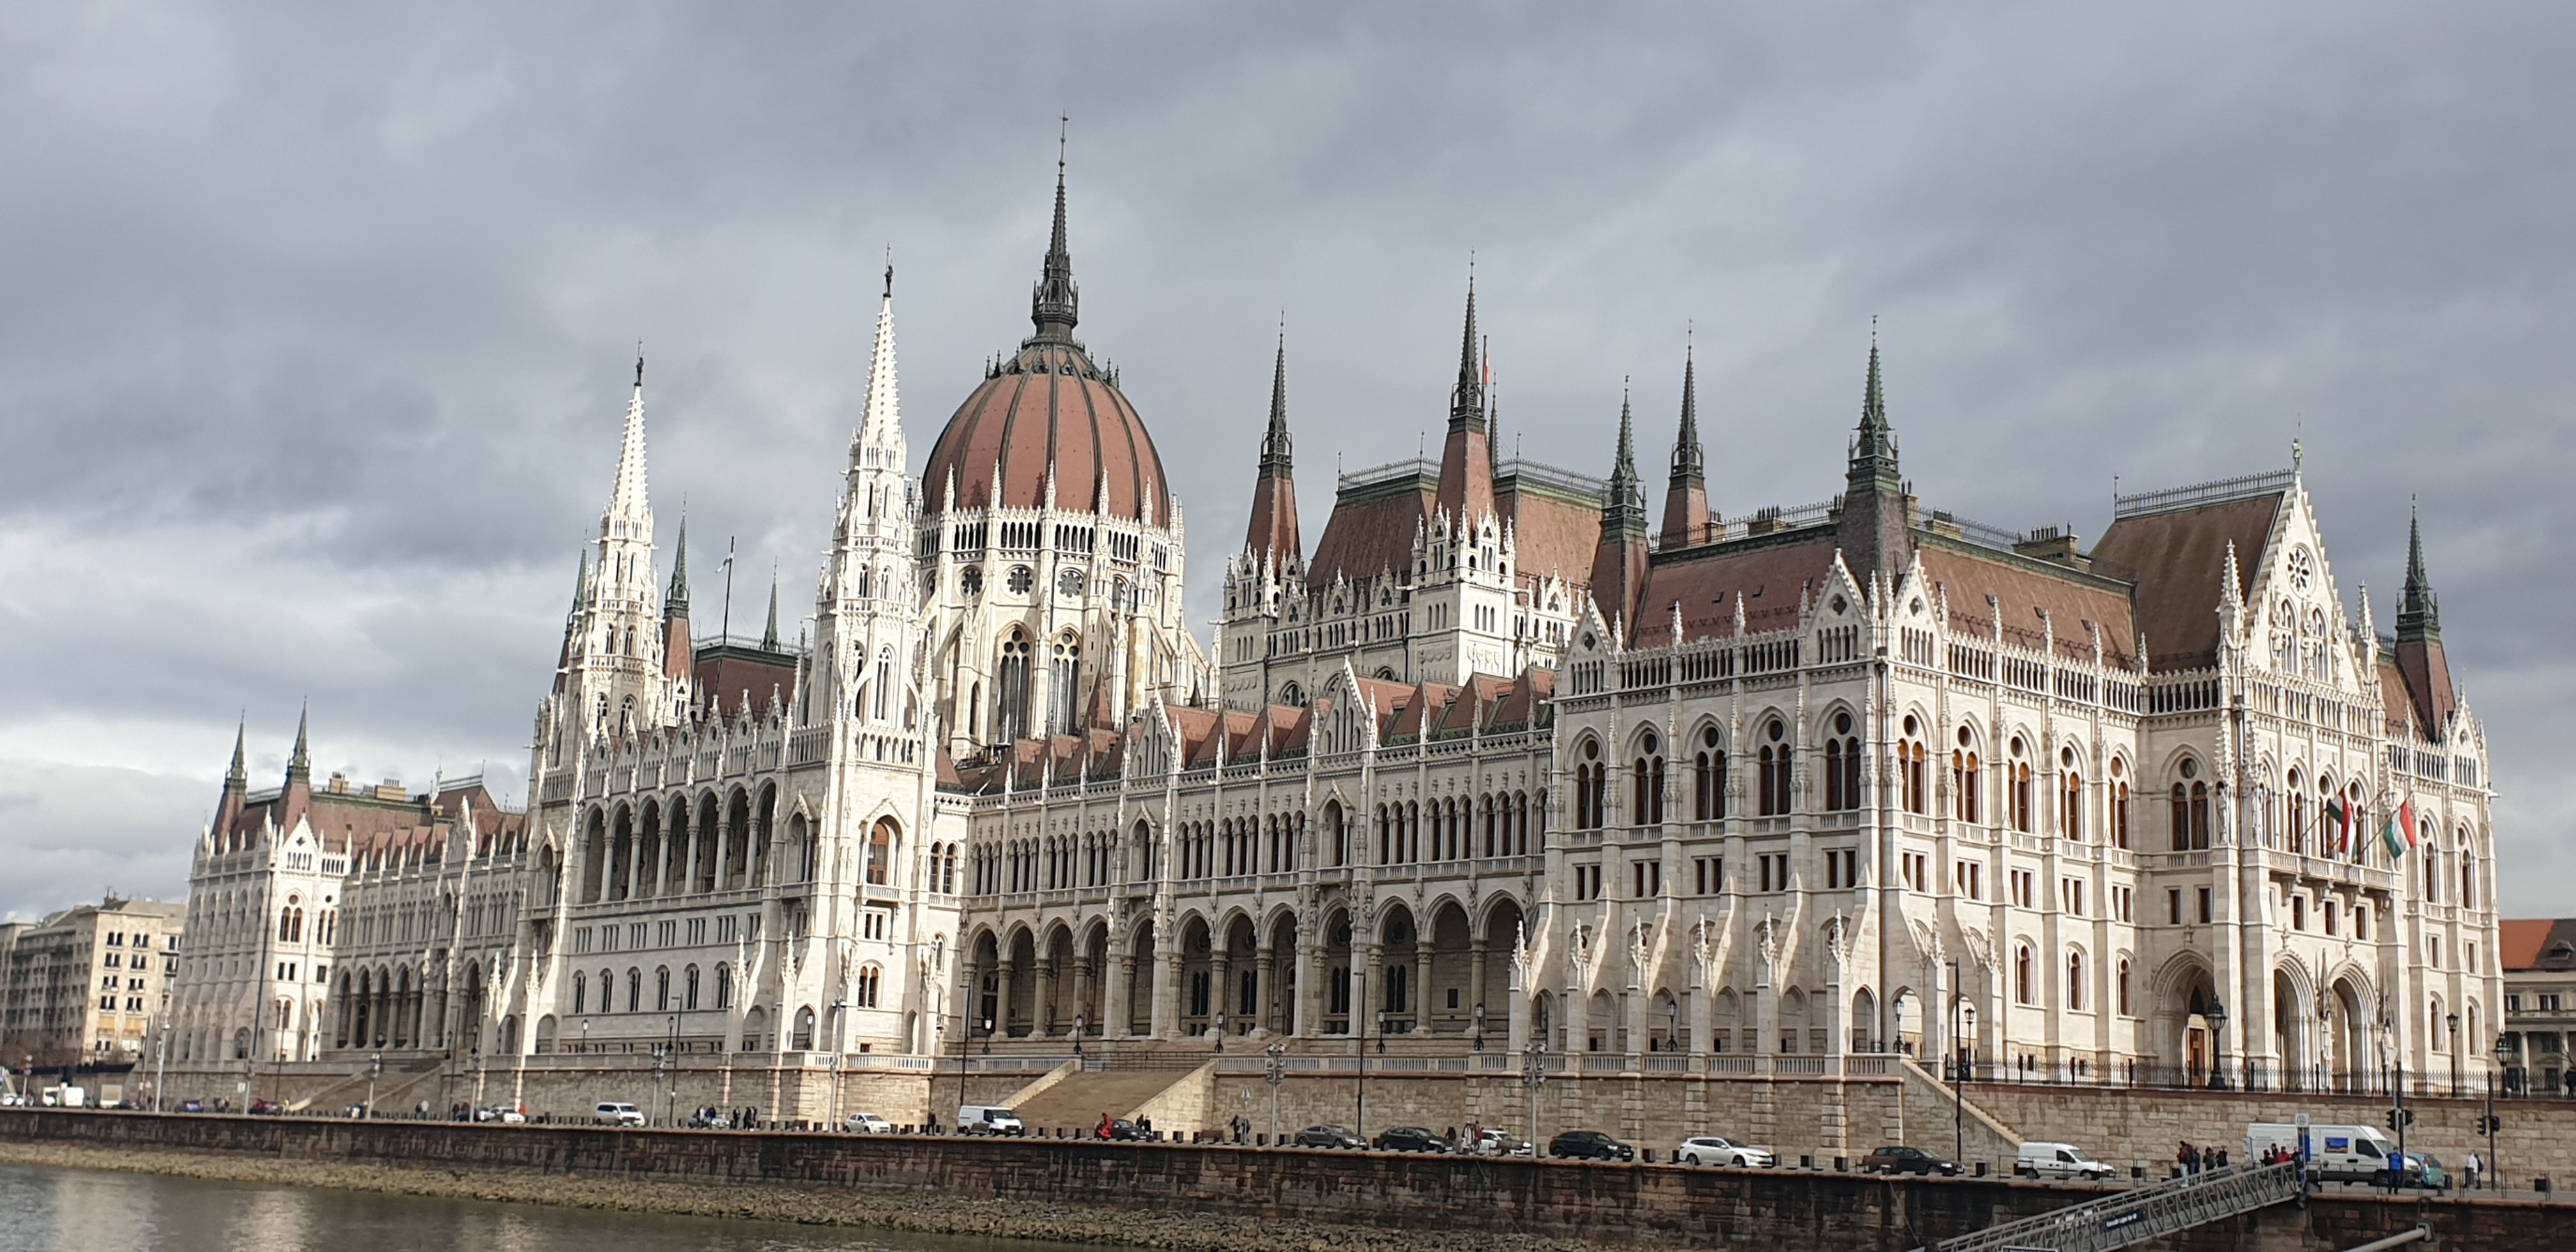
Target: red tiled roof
{"x": 1049, "y": 410}
{"x": 1555, "y": 538}
{"x": 1373, "y": 537}
{"x": 1768, "y": 574}
{"x": 2176, "y": 558}
{"x": 2020, "y": 587}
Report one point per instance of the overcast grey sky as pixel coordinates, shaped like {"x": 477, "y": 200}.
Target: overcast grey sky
{"x": 315, "y": 323}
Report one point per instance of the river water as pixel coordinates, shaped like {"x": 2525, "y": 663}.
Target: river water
{"x": 77, "y": 1210}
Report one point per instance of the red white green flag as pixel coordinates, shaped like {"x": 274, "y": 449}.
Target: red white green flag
{"x": 2399, "y": 834}
{"x": 2339, "y": 824}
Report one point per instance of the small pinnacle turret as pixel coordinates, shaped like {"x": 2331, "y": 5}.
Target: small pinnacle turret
{"x": 299, "y": 767}
{"x": 1271, "y": 537}
{"x": 675, "y": 603}
{"x": 1466, "y": 491}
{"x": 769, "y": 632}
{"x": 1877, "y": 527}
{"x": 2419, "y": 613}
{"x": 1619, "y": 563}
{"x": 237, "y": 779}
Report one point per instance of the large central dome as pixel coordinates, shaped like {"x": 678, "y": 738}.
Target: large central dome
{"x": 1048, "y": 411}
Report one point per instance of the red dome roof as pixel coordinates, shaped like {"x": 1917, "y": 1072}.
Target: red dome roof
{"x": 1049, "y": 406}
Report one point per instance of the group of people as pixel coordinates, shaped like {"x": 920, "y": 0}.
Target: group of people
{"x": 1108, "y": 1127}
{"x": 2195, "y": 1159}
{"x": 708, "y": 1116}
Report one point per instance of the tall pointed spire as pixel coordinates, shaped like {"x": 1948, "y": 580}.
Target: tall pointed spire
{"x": 237, "y": 779}
{"x": 1619, "y": 563}
{"x": 1276, "y": 451}
{"x": 2419, "y": 613}
{"x": 628, "y": 501}
{"x": 1686, "y": 495}
{"x": 1878, "y": 517}
{"x": 1055, "y": 305}
{"x": 769, "y": 633}
{"x": 882, "y": 424}
{"x": 580, "y": 584}
{"x": 675, "y": 603}
{"x": 1466, "y": 457}
{"x": 299, "y": 767}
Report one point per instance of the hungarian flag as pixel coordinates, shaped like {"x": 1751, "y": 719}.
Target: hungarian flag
{"x": 2339, "y": 824}
{"x": 2399, "y": 834}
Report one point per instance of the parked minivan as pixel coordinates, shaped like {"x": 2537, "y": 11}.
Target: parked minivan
{"x": 2336, "y": 1153}
{"x": 612, "y": 1113}
{"x": 2058, "y": 1160}
{"x": 988, "y": 1119}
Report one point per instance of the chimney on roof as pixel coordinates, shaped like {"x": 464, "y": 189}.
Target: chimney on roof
{"x": 2055, "y": 544}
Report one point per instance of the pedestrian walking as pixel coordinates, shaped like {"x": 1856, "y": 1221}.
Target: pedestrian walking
{"x": 2469, "y": 1170}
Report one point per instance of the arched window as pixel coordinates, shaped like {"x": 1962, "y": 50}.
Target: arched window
{"x": 2119, "y": 807}
{"x": 724, "y": 986}
{"x": 1912, "y": 762}
{"x": 1064, "y": 691}
{"x": 634, "y": 990}
{"x": 1842, "y": 766}
{"x": 865, "y": 994}
{"x": 1967, "y": 779}
{"x": 881, "y": 852}
{"x": 1590, "y": 779}
{"x": 2121, "y": 988}
{"x": 2432, "y": 877}
{"x": 580, "y": 994}
{"x": 1774, "y": 769}
{"x": 689, "y": 989}
{"x": 2019, "y": 771}
{"x": 2021, "y": 975}
{"x": 662, "y": 989}
{"x": 1649, "y": 809}
{"x": 2294, "y": 819}
{"x": 884, "y": 685}
{"x": 1708, "y": 778}
{"x": 2190, "y": 810}
{"x": 2075, "y": 980}
{"x": 1012, "y": 721}
{"x": 2070, "y": 809}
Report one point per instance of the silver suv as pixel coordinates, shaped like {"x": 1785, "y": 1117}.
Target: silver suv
{"x": 612, "y": 1113}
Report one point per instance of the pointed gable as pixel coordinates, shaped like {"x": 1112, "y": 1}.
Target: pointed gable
{"x": 2176, "y": 557}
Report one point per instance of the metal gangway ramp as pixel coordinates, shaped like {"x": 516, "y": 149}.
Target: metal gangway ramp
{"x": 2133, "y": 1217}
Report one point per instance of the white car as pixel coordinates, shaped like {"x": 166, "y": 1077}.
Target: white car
{"x": 507, "y": 1117}
{"x": 867, "y": 1124}
{"x": 1719, "y": 1150}
{"x": 611, "y": 1113}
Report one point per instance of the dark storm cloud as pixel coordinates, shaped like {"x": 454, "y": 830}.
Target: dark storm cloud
{"x": 315, "y": 324}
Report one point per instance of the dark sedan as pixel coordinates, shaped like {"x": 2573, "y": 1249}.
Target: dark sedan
{"x": 1589, "y": 1145}
{"x": 1413, "y": 1139}
{"x": 1328, "y": 1137}
{"x": 1906, "y": 1161}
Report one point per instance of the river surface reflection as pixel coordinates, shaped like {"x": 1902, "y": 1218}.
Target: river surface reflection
{"x": 79, "y": 1210}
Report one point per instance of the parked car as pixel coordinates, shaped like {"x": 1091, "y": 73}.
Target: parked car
{"x": 715, "y": 1121}
{"x": 192, "y": 1106}
{"x": 1124, "y": 1130}
{"x": 989, "y": 1119}
{"x": 1412, "y": 1139}
{"x": 1589, "y": 1145}
{"x": 2058, "y": 1160}
{"x": 612, "y": 1113}
{"x": 1720, "y": 1150}
{"x": 1491, "y": 1142}
{"x": 867, "y": 1124}
{"x": 1901, "y": 1160}
{"x": 506, "y": 1117}
{"x": 266, "y": 1108}
{"x": 1328, "y": 1137}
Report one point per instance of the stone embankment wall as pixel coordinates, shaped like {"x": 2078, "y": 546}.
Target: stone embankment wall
{"x": 1650, "y": 1205}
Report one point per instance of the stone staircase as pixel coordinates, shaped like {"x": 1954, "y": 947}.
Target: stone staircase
{"x": 1075, "y": 1101}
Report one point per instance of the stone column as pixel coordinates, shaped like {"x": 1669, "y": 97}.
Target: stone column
{"x": 1309, "y": 989}
{"x": 1268, "y": 1008}
{"x": 1117, "y": 1011}
{"x": 1008, "y": 992}
{"x": 1086, "y": 997}
{"x": 1221, "y": 967}
{"x": 1166, "y": 1022}
{"x": 1372, "y": 992}
{"x": 1421, "y": 982}
{"x": 1046, "y": 998}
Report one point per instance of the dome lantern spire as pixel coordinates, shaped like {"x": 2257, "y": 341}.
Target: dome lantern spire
{"x": 1055, "y": 305}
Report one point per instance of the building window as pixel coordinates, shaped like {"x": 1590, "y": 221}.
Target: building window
{"x": 2019, "y": 772}
{"x": 1590, "y": 779}
{"x": 1911, "y": 757}
{"x": 1964, "y": 779}
{"x": 1708, "y": 778}
{"x": 1842, "y": 766}
{"x": 2021, "y": 975}
{"x": 2119, "y": 805}
{"x": 1708, "y": 875}
{"x": 2075, "y": 981}
{"x": 1842, "y": 868}
{"x": 1775, "y": 775}
{"x": 1649, "y": 810}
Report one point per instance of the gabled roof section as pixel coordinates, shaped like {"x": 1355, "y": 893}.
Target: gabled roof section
{"x": 1966, "y": 574}
{"x": 1767, "y": 573}
{"x": 1376, "y": 514}
{"x": 2177, "y": 556}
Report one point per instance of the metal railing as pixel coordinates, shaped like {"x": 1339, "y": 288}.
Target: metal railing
{"x": 2137, "y": 1216}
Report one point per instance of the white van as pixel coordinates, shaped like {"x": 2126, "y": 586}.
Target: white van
{"x": 613, "y": 1113}
{"x": 988, "y": 1119}
{"x": 2058, "y": 1160}
{"x": 2335, "y": 1153}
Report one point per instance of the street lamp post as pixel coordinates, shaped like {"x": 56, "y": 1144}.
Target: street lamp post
{"x": 1480, "y": 1027}
{"x": 1220, "y": 1034}
{"x": 660, "y": 1058}
{"x": 988, "y": 1043}
{"x": 2492, "y": 1125}
{"x": 375, "y": 1067}
{"x": 1533, "y": 1078}
{"x": 671, "y": 1092}
{"x": 2453, "y": 1021}
{"x": 1673, "y": 1026}
{"x": 1276, "y": 1072}
{"x": 160, "y": 1065}
{"x": 2217, "y": 1015}
{"x": 1359, "y": 1032}
{"x": 1080, "y": 1025}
